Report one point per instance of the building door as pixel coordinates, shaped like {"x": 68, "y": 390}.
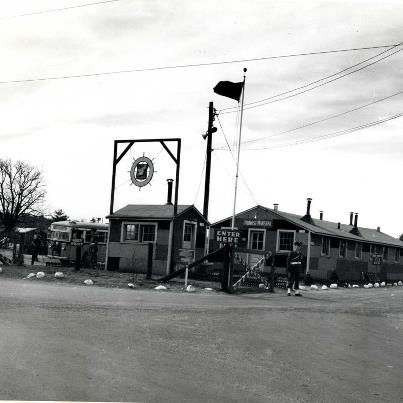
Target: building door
{"x": 256, "y": 241}
{"x": 188, "y": 241}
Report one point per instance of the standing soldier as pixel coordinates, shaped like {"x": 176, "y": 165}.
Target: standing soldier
{"x": 294, "y": 267}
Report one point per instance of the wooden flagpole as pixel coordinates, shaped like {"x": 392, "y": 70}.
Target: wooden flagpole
{"x": 239, "y": 149}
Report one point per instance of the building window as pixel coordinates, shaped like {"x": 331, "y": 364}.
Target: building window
{"x": 385, "y": 253}
{"x": 342, "y": 248}
{"x": 397, "y": 255}
{"x": 358, "y": 250}
{"x": 257, "y": 240}
{"x": 139, "y": 232}
{"x": 285, "y": 241}
{"x": 325, "y": 246}
{"x": 376, "y": 250}
{"x": 188, "y": 232}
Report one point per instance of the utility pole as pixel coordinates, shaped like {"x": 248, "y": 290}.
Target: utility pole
{"x": 208, "y": 135}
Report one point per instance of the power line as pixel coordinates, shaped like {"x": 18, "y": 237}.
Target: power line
{"x": 181, "y": 66}
{"x": 58, "y": 9}
{"x": 254, "y": 104}
{"x": 324, "y": 119}
{"x": 201, "y": 177}
{"x": 330, "y": 135}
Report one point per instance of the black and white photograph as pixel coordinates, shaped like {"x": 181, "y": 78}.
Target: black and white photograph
{"x": 201, "y": 201}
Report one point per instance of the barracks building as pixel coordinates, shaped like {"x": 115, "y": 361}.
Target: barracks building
{"x": 348, "y": 249}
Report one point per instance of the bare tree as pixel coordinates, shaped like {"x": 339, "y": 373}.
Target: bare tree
{"x": 21, "y": 191}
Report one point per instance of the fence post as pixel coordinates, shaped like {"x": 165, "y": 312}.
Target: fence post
{"x": 186, "y": 275}
{"x": 150, "y": 261}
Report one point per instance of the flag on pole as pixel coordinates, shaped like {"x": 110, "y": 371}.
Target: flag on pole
{"x": 229, "y": 89}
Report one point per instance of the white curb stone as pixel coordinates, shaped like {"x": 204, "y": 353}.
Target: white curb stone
{"x": 333, "y": 286}
{"x": 324, "y": 287}
{"x": 376, "y": 285}
{"x": 261, "y": 285}
{"x": 30, "y": 275}
{"x": 366, "y": 286}
{"x": 370, "y": 285}
{"x": 59, "y": 274}
{"x": 130, "y": 285}
{"x": 1, "y": 269}
{"x": 88, "y": 282}
{"x": 314, "y": 287}
{"x": 190, "y": 288}
{"x": 383, "y": 284}
{"x": 40, "y": 274}
{"x": 356, "y": 286}
{"x": 395, "y": 284}
{"x": 160, "y": 287}
{"x": 302, "y": 287}
{"x": 399, "y": 283}
{"x": 209, "y": 289}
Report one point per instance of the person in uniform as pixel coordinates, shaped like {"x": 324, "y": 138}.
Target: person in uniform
{"x": 294, "y": 265}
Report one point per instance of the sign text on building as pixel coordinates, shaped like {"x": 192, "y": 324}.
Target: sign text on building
{"x": 257, "y": 223}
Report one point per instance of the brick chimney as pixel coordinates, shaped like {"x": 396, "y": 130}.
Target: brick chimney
{"x": 351, "y": 218}
{"x": 275, "y": 206}
{"x": 320, "y": 215}
{"x": 355, "y": 230}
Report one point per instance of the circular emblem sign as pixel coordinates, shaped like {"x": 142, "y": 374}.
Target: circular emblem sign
{"x": 142, "y": 171}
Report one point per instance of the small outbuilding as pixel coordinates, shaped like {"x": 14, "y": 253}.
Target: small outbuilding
{"x": 139, "y": 232}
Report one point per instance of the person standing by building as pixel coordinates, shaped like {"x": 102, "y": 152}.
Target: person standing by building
{"x": 36, "y": 245}
{"x": 294, "y": 266}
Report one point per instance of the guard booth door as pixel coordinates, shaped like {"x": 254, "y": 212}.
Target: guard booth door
{"x": 189, "y": 238}
{"x": 256, "y": 241}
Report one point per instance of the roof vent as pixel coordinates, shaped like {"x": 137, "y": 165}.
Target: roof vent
{"x": 275, "y": 206}
{"x": 338, "y": 225}
{"x": 378, "y": 229}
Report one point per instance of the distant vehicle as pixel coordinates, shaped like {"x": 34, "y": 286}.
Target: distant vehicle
{"x": 63, "y": 238}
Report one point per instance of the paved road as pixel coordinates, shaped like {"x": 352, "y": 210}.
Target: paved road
{"x": 60, "y": 342}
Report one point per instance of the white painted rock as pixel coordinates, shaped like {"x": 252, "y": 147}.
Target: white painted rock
{"x": 356, "y": 286}
{"x": 1, "y": 269}
{"x": 314, "y": 287}
{"x": 190, "y": 288}
{"x": 261, "y": 285}
{"x": 88, "y": 282}
{"x": 59, "y": 274}
{"x": 130, "y": 285}
{"x": 399, "y": 283}
{"x": 366, "y": 286}
{"x": 209, "y": 289}
{"x": 30, "y": 275}
{"x": 383, "y": 284}
{"x": 40, "y": 274}
{"x": 302, "y": 287}
{"x": 324, "y": 287}
{"x": 160, "y": 287}
{"x": 349, "y": 285}
{"x": 376, "y": 285}
{"x": 395, "y": 284}
{"x": 333, "y": 286}
{"x": 370, "y": 285}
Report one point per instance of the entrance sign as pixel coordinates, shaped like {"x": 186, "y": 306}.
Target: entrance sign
{"x": 227, "y": 236}
{"x": 142, "y": 171}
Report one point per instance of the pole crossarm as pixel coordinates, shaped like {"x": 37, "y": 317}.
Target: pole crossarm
{"x": 124, "y": 152}
{"x": 168, "y": 151}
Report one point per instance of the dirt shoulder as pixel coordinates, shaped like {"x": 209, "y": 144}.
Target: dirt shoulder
{"x": 100, "y": 278}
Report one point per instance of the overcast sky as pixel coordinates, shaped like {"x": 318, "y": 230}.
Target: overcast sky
{"x": 67, "y": 127}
